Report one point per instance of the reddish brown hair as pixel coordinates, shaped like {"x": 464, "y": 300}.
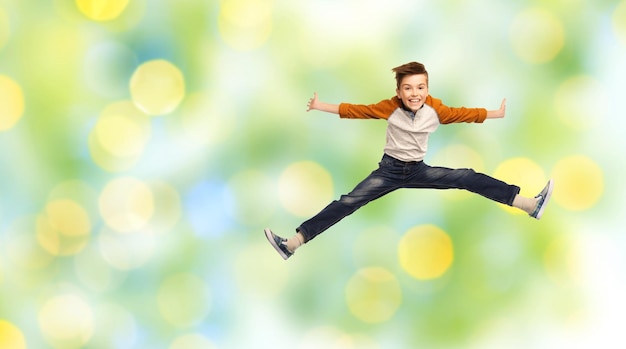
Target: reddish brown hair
{"x": 411, "y": 68}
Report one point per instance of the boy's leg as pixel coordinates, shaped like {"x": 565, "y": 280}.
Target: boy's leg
{"x": 380, "y": 182}
{"x": 425, "y": 176}
{"x": 377, "y": 184}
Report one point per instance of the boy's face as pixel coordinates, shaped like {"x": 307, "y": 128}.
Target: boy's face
{"x": 413, "y": 91}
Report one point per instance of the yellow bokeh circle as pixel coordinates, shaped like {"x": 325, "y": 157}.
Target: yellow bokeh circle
{"x": 373, "y": 295}
{"x": 524, "y": 173}
{"x": 245, "y": 24}
{"x": 67, "y": 321}
{"x": 167, "y": 207}
{"x": 304, "y": 188}
{"x": 579, "y": 183}
{"x": 11, "y": 337}
{"x": 120, "y": 136}
{"x": 64, "y": 229}
{"x": 157, "y": 87}
{"x": 577, "y": 98}
{"x": 425, "y": 252}
{"x": 126, "y": 204}
{"x": 11, "y": 103}
{"x": 619, "y": 21}
{"x": 102, "y": 10}
{"x": 184, "y": 299}
{"x": 537, "y": 35}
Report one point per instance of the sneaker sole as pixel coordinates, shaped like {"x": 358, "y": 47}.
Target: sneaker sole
{"x": 270, "y": 237}
{"x": 547, "y": 198}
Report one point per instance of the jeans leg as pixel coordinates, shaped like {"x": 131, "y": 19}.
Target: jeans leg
{"x": 426, "y": 176}
{"x": 377, "y": 184}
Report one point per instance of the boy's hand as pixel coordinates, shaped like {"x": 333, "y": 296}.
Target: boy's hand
{"x": 499, "y": 113}
{"x": 312, "y": 102}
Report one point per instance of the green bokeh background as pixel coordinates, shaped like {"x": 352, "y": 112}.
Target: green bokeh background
{"x": 514, "y": 282}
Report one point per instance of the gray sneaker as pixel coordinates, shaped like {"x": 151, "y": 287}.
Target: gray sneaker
{"x": 542, "y": 200}
{"x": 279, "y": 244}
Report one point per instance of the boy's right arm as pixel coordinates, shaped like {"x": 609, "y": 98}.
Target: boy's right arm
{"x": 380, "y": 110}
{"x": 315, "y": 104}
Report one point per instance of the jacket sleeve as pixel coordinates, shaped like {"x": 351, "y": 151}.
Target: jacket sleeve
{"x": 380, "y": 110}
{"x": 448, "y": 115}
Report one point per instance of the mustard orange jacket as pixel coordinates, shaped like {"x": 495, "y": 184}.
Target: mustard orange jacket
{"x": 384, "y": 109}
{"x": 408, "y": 133}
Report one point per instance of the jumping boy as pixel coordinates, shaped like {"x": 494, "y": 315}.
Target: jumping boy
{"x": 411, "y": 116}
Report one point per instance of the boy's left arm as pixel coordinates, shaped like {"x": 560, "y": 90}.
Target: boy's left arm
{"x": 449, "y": 115}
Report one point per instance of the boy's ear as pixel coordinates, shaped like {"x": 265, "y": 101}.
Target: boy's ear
{"x": 398, "y": 93}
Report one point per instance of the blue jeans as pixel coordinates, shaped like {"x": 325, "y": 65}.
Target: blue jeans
{"x": 394, "y": 174}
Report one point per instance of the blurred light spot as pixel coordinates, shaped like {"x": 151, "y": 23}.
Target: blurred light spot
{"x": 458, "y": 156}
{"x": 619, "y": 21}
{"x": 206, "y": 208}
{"x": 22, "y": 247}
{"x": 425, "y": 252}
{"x": 119, "y": 137}
{"x": 524, "y": 173}
{"x": 305, "y": 188}
{"x": 373, "y": 295}
{"x": 64, "y": 229}
{"x": 11, "y": 103}
{"x": 107, "y": 68}
{"x": 192, "y": 341}
{"x": 10, "y": 336}
{"x": 5, "y": 28}
{"x": 115, "y": 327}
{"x": 101, "y": 10}
{"x": 126, "y": 204}
{"x": 73, "y": 189}
{"x": 122, "y": 130}
{"x": 579, "y": 183}
{"x": 328, "y": 337}
{"x": 579, "y": 97}
{"x": 245, "y": 24}
{"x": 68, "y": 217}
{"x": 66, "y": 321}
{"x": 259, "y": 275}
{"x": 167, "y": 207}
{"x": 184, "y": 299}
{"x": 206, "y": 122}
{"x": 253, "y": 192}
{"x": 537, "y": 36}
{"x": 127, "y": 251}
{"x": 157, "y": 87}
{"x": 94, "y": 272}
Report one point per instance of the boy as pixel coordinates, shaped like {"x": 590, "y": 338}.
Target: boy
{"x": 411, "y": 116}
